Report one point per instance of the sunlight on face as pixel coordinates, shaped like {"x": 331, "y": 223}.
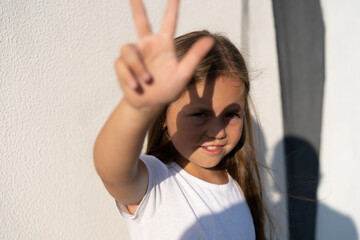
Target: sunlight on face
{"x": 206, "y": 122}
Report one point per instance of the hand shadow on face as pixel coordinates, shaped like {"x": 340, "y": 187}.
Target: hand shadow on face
{"x": 206, "y": 97}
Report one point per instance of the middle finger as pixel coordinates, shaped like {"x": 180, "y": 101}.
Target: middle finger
{"x": 170, "y": 18}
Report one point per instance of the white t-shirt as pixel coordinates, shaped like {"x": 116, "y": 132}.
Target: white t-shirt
{"x": 178, "y": 205}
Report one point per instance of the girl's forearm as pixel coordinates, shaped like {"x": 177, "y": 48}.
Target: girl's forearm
{"x": 119, "y": 143}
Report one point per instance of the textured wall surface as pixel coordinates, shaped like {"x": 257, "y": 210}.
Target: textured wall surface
{"x": 57, "y": 87}
{"x": 339, "y": 194}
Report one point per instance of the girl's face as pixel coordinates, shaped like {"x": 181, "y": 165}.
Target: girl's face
{"x": 205, "y": 123}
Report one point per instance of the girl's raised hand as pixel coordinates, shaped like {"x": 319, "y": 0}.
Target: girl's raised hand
{"x": 149, "y": 71}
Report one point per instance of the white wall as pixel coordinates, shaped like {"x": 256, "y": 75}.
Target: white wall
{"x": 339, "y": 194}
{"x": 57, "y": 87}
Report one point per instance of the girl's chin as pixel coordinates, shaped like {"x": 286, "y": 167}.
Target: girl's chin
{"x": 201, "y": 159}
{"x": 211, "y": 165}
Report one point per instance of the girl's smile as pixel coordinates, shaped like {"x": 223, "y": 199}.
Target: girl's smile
{"x": 205, "y": 124}
{"x": 213, "y": 149}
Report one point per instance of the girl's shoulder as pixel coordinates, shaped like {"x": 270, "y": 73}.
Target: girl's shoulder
{"x": 155, "y": 166}
{"x": 152, "y": 161}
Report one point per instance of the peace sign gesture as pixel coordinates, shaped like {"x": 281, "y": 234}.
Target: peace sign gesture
{"x": 149, "y": 72}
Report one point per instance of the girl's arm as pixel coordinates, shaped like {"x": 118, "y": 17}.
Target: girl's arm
{"x": 150, "y": 76}
{"x": 117, "y": 149}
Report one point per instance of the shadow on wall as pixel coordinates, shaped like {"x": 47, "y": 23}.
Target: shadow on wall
{"x": 303, "y": 184}
{"x": 302, "y": 172}
{"x": 337, "y": 225}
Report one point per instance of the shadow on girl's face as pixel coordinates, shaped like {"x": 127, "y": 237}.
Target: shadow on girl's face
{"x": 206, "y": 122}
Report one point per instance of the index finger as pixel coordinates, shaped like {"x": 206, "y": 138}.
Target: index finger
{"x": 194, "y": 56}
{"x": 140, "y": 19}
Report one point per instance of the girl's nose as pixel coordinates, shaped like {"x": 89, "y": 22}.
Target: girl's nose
{"x": 216, "y": 129}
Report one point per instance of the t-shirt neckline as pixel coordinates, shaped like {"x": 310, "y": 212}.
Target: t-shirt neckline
{"x": 199, "y": 181}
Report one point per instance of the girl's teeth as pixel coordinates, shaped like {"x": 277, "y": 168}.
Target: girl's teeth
{"x": 211, "y": 147}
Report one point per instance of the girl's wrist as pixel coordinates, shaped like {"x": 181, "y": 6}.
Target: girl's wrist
{"x": 145, "y": 113}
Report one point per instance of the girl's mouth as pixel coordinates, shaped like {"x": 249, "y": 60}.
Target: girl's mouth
{"x": 213, "y": 149}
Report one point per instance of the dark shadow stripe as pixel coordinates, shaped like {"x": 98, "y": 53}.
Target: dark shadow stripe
{"x": 300, "y": 36}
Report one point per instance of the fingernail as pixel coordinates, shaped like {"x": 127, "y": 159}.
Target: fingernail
{"x": 132, "y": 84}
{"x": 145, "y": 77}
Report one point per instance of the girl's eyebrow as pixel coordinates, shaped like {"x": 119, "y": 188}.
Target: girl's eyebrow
{"x": 201, "y": 108}
{"x": 232, "y": 107}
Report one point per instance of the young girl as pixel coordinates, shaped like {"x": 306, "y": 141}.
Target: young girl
{"x": 199, "y": 179}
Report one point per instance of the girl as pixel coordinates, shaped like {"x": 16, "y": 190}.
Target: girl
{"x": 199, "y": 179}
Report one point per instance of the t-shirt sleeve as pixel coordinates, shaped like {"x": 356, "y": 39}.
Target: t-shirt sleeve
{"x": 158, "y": 173}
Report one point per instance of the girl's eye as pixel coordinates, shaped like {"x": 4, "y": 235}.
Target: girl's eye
{"x": 200, "y": 115}
{"x": 233, "y": 115}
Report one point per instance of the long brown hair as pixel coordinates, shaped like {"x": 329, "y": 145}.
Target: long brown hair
{"x": 224, "y": 59}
